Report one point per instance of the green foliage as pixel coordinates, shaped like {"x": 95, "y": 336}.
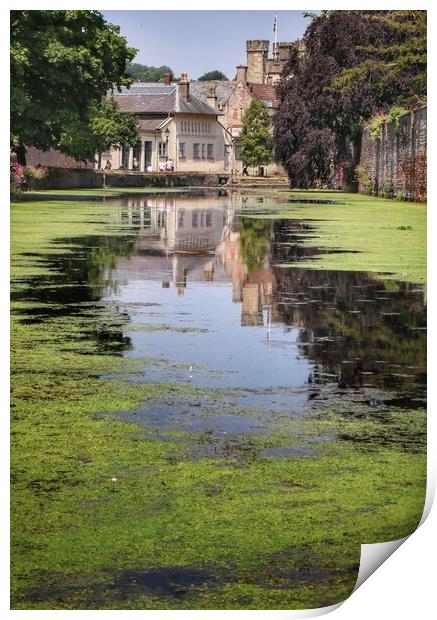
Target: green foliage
{"x": 364, "y": 178}
{"x": 105, "y": 127}
{"x": 145, "y": 73}
{"x": 375, "y": 125}
{"x": 213, "y": 75}
{"x": 34, "y": 172}
{"x": 62, "y": 64}
{"x": 393, "y": 67}
{"x": 394, "y": 116}
{"x": 256, "y": 142}
{"x": 357, "y": 64}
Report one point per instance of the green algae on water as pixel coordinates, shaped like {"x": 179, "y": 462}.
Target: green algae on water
{"x": 107, "y": 515}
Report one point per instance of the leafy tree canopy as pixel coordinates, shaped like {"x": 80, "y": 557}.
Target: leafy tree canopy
{"x": 106, "y": 126}
{"x": 255, "y": 136}
{"x": 62, "y": 65}
{"x": 356, "y": 63}
{"x": 213, "y": 75}
{"x": 144, "y": 73}
{"x": 395, "y": 67}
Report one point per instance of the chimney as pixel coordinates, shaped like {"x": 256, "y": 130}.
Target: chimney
{"x": 242, "y": 74}
{"x": 167, "y": 78}
{"x": 184, "y": 86}
{"x": 211, "y": 98}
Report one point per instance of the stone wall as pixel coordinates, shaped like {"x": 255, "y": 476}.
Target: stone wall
{"x": 68, "y": 178}
{"x": 395, "y": 164}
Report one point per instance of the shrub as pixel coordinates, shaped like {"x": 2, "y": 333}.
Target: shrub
{"x": 394, "y": 116}
{"x": 375, "y": 125}
{"x": 17, "y": 177}
{"x": 36, "y": 172}
{"x": 364, "y": 178}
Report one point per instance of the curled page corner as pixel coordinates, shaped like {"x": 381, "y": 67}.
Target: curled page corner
{"x": 373, "y": 555}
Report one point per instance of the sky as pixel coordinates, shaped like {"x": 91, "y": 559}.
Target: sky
{"x": 198, "y": 41}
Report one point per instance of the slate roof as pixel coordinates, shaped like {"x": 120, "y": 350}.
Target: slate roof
{"x": 223, "y": 89}
{"x": 264, "y": 92}
{"x": 150, "y": 124}
{"x": 145, "y": 98}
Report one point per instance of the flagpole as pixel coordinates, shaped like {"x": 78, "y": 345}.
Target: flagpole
{"x": 275, "y": 29}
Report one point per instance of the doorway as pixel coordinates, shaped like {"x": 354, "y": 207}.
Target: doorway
{"x": 147, "y": 154}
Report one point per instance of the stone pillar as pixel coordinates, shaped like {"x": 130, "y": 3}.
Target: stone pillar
{"x": 131, "y": 158}
{"x": 142, "y": 155}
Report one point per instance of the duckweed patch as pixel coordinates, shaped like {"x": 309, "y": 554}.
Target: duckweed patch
{"x": 377, "y": 235}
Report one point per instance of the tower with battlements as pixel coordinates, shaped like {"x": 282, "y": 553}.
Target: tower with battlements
{"x": 260, "y": 69}
{"x": 257, "y": 54}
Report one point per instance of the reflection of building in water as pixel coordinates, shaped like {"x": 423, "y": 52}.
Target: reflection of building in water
{"x": 177, "y": 238}
{"x": 355, "y": 329}
{"x": 196, "y": 239}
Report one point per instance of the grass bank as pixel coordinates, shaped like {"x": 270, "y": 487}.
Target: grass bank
{"x": 374, "y": 234}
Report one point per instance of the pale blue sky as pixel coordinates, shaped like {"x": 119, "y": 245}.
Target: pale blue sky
{"x": 199, "y": 41}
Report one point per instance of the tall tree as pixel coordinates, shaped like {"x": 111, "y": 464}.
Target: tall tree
{"x": 144, "y": 73}
{"x": 105, "y": 127}
{"x": 394, "y": 67}
{"x": 213, "y": 75}
{"x": 255, "y": 136}
{"x": 62, "y": 65}
{"x": 356, "y": 63}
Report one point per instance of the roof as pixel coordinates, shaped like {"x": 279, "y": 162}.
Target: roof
{"x": 146, "y": 98}
{"x": 265, "y": 92}
{"x": 223, "y": 89}
{"x": 150, "y": 124}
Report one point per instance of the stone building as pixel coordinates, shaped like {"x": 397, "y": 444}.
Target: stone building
{"x": 197, "y": 124}
{"x": 254, "y": 80}
{"x": 173, "y": 124}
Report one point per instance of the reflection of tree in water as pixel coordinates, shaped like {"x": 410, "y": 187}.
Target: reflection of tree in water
{"x": 78, "y": 277}
{"x": 254, "y": 241}
{"x": 364, "y": 331}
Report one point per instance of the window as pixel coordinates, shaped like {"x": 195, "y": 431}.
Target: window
{"x": 238, "y": 152}
{"x": 182, "y": 150}
{"x": 162, "y": 149}
{"x": 208, "y": 219}
{"x": 210, "y": 151}
{"x": 203, "y": 151}
{"x": 196, "y": 150}
{"x": 181, "y": 215}
{"x": 125, "y": 151}
{"x": 195, "y": 219}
